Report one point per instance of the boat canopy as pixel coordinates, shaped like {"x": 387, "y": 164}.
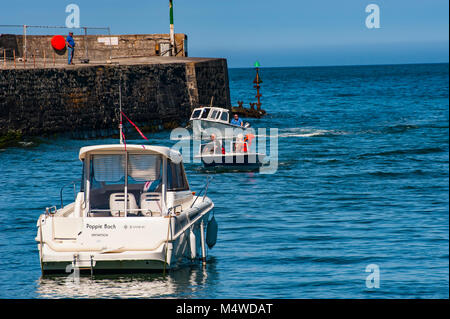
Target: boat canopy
{"x": 167, "y": 152}
{"x": 216, "y": 114}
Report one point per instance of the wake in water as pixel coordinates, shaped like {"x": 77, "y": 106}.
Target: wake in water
{"x": 309, "y": 132}
{"x": 289, "y": 132}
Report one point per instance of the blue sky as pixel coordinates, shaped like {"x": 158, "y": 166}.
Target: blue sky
{"x": 277, "y": 33}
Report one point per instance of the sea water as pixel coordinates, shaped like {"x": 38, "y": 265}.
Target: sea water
{"x": 360, "y": 195}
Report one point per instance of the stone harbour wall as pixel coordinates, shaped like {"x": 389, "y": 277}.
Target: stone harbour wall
{"x": 83, "y": 100}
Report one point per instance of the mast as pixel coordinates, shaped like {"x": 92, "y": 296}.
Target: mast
{"x": 126, "y": 153}
{"x": 172, "y": 32}
{"x": 120, "y": 111}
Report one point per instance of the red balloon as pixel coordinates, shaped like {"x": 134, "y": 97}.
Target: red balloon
{"x": 58, "y": 42}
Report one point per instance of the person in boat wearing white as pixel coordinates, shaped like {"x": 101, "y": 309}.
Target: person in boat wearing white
{"x": 213, "y": 147}
{"x": 239, "y": 145}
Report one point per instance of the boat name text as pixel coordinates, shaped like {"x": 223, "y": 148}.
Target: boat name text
{"x": 100, "y": 226}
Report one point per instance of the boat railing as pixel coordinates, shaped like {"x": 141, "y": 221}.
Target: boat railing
{"x": 74, "y": 191}
{"x": 173, "y": 209}
{"x": 205, "y": 149}
{"x": 50, "y": 210}
{"x": 129, "y": 210}
{"x": 205, "y": 188}
{"x": 243, "y": 145}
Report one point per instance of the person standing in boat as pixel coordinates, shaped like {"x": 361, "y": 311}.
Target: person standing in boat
{"x": 237, "y": 121}
{"x": 240, "y": 144}
{"x": 214, "y": 147}
{"x": 71, "y": 47}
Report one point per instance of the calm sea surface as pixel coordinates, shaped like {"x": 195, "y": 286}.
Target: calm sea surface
{"x": 363, "y": 178}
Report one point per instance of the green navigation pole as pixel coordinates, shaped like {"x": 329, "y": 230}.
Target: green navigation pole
{"x": 257, "y": 81}
{"x": 172, "y": 32}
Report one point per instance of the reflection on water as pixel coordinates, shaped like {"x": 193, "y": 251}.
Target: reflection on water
{"x": 180, "y": 283}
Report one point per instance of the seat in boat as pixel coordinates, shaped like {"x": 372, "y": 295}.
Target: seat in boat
{"x": 150, "y": 204}
{"x": 116, "y": 204}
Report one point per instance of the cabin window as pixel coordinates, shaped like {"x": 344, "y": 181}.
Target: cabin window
{"x": 176, "y": 177}
{"x": 108, "y": 168}
{"x": 196, "y": 114}
{"x": 83, "y": 176}
{"x": 144, "y": 173}
{"x": 144, "y": 168}
{"x": 111, "y": 168}
{"x": 213, "y": 114}
{"x": 224, "y": 116}
{"x": 205, "y": 113}
{"x": 218, "y": 114}
{"x": 107, "y": 177}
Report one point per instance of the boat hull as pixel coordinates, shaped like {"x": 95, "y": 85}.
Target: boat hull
{"x": 111, "y": 266}
{"x": 203, "y": 128}
{"x": 233, "y": 161}
{"x": 122, "y": 244}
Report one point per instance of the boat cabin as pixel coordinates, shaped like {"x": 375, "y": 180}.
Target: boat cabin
{"x": 215, "y": 114}
{"x": 131, "y": 181}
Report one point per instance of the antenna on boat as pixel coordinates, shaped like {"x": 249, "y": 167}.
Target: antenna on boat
{"x": 120, "y": 110}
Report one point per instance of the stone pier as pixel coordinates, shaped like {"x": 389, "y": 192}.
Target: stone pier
{"x": 82, "y": 100}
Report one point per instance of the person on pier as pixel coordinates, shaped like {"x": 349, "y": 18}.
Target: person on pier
{"x": 71, "y": 47}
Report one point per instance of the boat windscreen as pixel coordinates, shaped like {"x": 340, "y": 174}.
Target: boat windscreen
{"x": 108, "y": 177}
{"x": 196, "y": 114}
{"x": 144, "y": 167}
{"x": 224, "y": 116}
{"x": 176, "y": 177}
{"x": 111, "y": 168}
{"x": 205, "y": 113}
{"x": 108, "y": 168}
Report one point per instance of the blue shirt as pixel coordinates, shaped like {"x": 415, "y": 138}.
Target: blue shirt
{"x": 70, "y": 41}
{"x": 237, "y": 122}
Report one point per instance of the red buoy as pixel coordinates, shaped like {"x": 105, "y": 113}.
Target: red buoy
{"x": 58, "y": 42}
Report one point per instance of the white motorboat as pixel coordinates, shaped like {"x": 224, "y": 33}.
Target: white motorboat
{"x": 234, "y": 153}
{"x": 134, "y": 212}
{"x": 208, "y": 120}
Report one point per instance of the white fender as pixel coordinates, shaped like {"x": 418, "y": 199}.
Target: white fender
{"x": 211, "y": 233}
{"x": 193, "y": 244}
